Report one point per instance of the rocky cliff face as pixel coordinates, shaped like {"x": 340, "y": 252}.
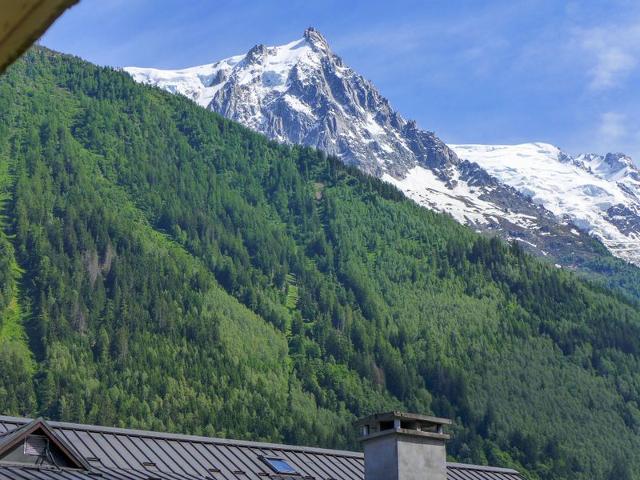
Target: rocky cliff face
{"x": 302, "y": 93}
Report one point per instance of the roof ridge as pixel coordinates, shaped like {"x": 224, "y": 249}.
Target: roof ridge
{"x": 186, "y": 437}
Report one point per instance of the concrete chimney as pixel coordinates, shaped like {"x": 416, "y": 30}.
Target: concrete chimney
{"x": 404, "y": 446}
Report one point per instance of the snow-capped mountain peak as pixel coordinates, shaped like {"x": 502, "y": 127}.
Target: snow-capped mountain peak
{"x": 303, "y": 93}
{"x": 316, "y": 40}
{"x": 612, "y": 166}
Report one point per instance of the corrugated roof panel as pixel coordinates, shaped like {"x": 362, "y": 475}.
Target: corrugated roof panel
{"x": 345, "y": 468}
{"x": 330, "y": 467}
{"x": 184, "y": 461}
{"x": 319, "y": 469}
{"x": 226, "y": 467}
{"x": 473, "y": 472}
{"x": 167, "y": 458}
{"x": 454, "y": 475}
{"x": 357, "y": 466}
{"x": 151, "y": 450}
{"x": 193, "y": 457}
{"x": 211, "y": 462}
{"x": 108, "y": 451}
{"x": 123, "y": 447}
{"x": 469, "y": 475}
{"x": 238, "y": 459}
{"x": 250, "y": 460}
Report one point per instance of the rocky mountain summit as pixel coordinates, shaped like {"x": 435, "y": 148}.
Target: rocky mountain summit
{"x": 303, "y": 93}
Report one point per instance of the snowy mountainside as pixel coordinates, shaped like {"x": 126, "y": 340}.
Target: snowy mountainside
{"x": 598, "y": 194}
{"x": 302, "y": 93}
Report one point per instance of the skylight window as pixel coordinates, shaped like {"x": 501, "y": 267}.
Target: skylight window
{"x": 279, "y": 465}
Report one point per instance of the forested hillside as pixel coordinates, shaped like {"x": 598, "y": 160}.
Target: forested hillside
{"x": 165, "y": 268}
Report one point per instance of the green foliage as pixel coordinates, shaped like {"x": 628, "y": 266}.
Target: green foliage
{"x": 292, "y": 292}
{"x": 17, "y": 395}
{"x": 185, "y": 274}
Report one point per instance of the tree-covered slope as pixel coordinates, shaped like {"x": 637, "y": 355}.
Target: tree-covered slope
{"x": 165, "y": 268}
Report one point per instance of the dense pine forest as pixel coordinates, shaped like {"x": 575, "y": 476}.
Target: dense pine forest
{"x": 164, "y": 268}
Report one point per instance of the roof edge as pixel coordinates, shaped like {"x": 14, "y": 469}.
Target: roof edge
{"x": 186, "y": 437}
{"x": 483, "y": 468}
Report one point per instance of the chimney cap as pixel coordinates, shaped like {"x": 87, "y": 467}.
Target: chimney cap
{"x": 403, "y": 424}
{"x": 396, "y": 415}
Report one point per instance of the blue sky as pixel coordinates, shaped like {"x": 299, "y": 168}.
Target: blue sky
{"x": 563, "y": 72}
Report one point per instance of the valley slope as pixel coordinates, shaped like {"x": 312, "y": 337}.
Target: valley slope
{"x": 174, "y": 270}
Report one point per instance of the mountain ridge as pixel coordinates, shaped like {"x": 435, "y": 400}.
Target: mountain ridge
{"x": 303, "y": 93}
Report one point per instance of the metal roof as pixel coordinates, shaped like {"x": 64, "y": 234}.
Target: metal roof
{"x": 117, "y": 454}
{"x": 463, "y": 471}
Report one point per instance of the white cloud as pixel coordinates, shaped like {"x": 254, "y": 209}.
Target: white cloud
{"x": 613, "y": 53}
{"x": 613, "y": 127}
{"x": 612, "y": 63}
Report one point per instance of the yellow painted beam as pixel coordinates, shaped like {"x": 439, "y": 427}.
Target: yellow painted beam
{"x": 22, "y": 22}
